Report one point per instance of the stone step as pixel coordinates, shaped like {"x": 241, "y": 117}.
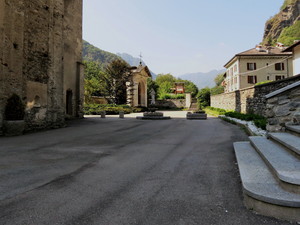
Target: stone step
{"x": 285, "y": 165}
{"x": 259, "y": 183}
{"x": 293, "y": 129}
{"x": 290, "y": 141}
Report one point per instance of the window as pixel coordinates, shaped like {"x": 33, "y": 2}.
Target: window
{"x": 235, "y": 68}
{"x": 252, "y": 79}
{"x": 268, "y": 77}
{"x": 279, "y": 66}
{"x": 279, "y": 77}
{"x": 251, "y": 66}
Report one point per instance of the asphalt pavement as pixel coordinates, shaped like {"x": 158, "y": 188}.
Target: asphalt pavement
{"x": 125, "y": 171}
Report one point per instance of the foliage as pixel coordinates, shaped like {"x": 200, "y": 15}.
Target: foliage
{"x": 93, "y": 85}
{"x": 263, "y": 82}
{"x": 165, "y": 83}
{"x": 189, "y": 87}
{"x": 15, "y": 108}
{"x": 95, "y": 61}
{"x": 287, "y": 2}
{"x": 114, "y": 78}
{"x": 151, "y": 84}
{"x": 203, "y": 97}
{"x": 110, "y": 109}
{"x": 171, "y": 96}
{"x": 214, "y": 111}
{"x": 218, "y": 88}
{"x": 162, "y": 78}
{"x": 219, "y": 79}
{"x": 289, "y": 34}
{"x": 94, "y": 54}
{"x": 259, "y": 121}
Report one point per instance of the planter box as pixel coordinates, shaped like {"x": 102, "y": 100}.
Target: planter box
{"x": 13, "y": 127}
{"x": 196, "y": 116}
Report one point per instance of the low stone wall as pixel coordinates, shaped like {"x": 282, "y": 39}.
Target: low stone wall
{"x": 283, "y": 109}
{"x": 224, "y": 101}
{"x": 171, "y": 103}
{"x": 252, "y": 99}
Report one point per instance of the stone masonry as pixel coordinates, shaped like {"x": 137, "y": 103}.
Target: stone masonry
{"x": 283, "y": 108}
{"x": 40, "y": 59}
{"x": 252, "y": 99}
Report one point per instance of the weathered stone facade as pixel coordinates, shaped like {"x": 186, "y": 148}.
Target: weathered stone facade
{"x": 283, "y": 108}
{"x": 252, "y": 99}
{"x": 40, "y": 59}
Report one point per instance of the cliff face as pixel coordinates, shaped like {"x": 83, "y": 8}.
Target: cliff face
{"x": 287, "y": 17}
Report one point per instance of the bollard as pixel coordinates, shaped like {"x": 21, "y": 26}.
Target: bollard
{"x": 102, "y": 113}
{"x": 121, "y": 114}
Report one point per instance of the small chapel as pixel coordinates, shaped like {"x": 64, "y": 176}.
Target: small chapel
{"x": 137, "y": 87}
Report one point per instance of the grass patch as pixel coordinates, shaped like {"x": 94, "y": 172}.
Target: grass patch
{"x": 214, "y": 111}
{"x": 259, "y": 121}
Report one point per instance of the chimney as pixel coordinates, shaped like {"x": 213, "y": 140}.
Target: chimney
{"x": 280, "y": 45}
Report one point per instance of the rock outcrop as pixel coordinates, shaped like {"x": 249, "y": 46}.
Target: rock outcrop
{"x": 288, "y": 15}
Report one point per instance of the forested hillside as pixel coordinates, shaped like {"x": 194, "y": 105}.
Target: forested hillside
{"x": 94, "y": 54}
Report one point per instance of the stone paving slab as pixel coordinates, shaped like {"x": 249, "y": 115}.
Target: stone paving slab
{"x": 290, "y": 141}
{"x": 258, "y": 182}
{"x": 294, "y": 128}
{"x": 284, "y": 164}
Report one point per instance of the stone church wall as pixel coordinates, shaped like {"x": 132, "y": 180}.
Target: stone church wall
{"x": 35, "y": 45}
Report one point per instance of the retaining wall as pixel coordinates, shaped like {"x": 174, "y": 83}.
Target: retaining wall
{"x": 251, "y": 99}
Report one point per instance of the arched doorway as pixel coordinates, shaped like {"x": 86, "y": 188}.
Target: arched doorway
{"x": 69, "y": 105}
{"x": 141, "y": 94}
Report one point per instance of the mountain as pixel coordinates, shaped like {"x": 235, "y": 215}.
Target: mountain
{"x": 284, "y": 27}
{"x": 92, "y": 53}
{"x": 133, "y": 61}
{"x": 202, "y": 79}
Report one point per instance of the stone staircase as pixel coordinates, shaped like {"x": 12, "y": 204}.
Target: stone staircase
{"x": 194, "y": 105}
{"x": 270, "y": 173}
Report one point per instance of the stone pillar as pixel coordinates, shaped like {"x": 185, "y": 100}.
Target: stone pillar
{"x": 188, "y": 100}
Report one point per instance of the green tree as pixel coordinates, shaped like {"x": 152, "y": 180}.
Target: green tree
{"x": 161, "y": 78}
{"x": 151, "y": 84}
{"x": 165, "y": 84}
{"x": 218, "y": 88}
{"x": 204, "y": 97}
{"x": 219, "y": 79}
{"x": 115, "y": 76}
{"x": 93, "y": 85}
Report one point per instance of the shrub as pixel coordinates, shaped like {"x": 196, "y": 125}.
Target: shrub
{"x": 263, "y": 82}
{"x": 259, "y": 121}
{"x": 110, "y": 109}
{"x": 171, "y": 96}
{"x": 15, "y": 108}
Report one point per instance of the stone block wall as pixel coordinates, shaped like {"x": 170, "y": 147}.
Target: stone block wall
{"x": 283, "y": 109}
{"x": 224, "y": 101}
{"x": 33, "y": 60}
{"x": 252, "y": 99}
{"x": 171, "y": 103}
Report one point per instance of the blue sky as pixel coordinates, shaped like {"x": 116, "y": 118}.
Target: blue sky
{"x": 177, "y": 36}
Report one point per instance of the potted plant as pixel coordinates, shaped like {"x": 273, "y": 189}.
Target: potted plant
{"x": 14, "y": 116}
